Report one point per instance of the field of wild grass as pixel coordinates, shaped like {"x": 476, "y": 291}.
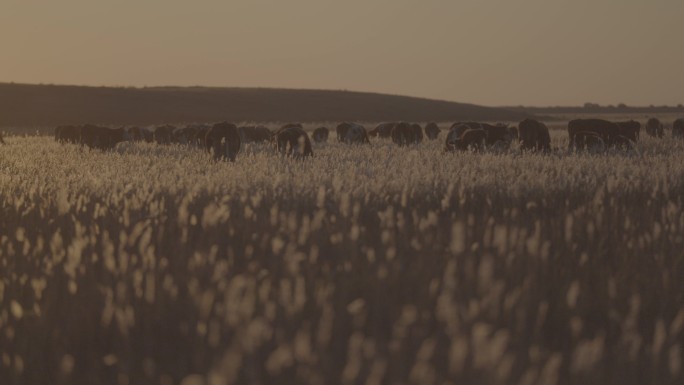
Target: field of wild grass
{"x": 364, "y": 265}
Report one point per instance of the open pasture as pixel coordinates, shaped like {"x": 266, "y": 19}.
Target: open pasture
{"x": 364, "y": 265}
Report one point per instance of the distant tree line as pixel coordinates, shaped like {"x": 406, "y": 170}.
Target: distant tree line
{"x": 598, "y": 108}
{"x": 623, "y": 106}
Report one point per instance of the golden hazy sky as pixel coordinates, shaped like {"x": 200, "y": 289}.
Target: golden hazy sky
{"x": 504, "y": 52}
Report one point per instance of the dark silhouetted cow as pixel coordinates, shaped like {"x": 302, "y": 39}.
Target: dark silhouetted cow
{"x": 200, "y": 135}
{"x": 534, "y": 136}
{"x": 292, "y": 140}
{"x": 320, "y": 135}
{"x": 403, "y": 134}
{"x": 462, "y": 137}
{"x": 628, "y": 130}
{"x": 610, "y": 134}
{"x": 498, "y": 135}
{"x": 164, "y": 134}
{"x": 590, "y": 141}
{"x": 223, "y": 141}
{"x": 341, "y": 131}
{"x": 137, "y": 134}
{"x": 654, "y": 128}
{"x": 184, "y": 135}
{"x": 418, "y": 132}
{"x": 255, "y": 134}
{"x": 102, "y": 138}
{"x": 352, "y": 133}
{"x": 382, "y": 130}
{"x": 432, "y": 131}
{"x": 678, "y": 128}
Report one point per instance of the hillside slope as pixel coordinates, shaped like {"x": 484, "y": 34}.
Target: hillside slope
{"x": 41, "y": 105}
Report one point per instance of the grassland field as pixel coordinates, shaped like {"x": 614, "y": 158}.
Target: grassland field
{"x": 364, "y": 265}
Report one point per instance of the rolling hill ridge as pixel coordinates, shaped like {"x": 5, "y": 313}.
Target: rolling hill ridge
{"x": 25, "y": 105}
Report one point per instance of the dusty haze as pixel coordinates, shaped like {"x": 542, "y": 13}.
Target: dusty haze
{"x": 530, "y": 52}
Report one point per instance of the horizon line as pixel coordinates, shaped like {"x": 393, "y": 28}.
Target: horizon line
{"x": 619, "y": 105}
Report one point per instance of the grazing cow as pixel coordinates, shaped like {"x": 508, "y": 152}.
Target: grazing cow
{"x": 382, "y": 130}
{"x": 164, "y": 134}
{"x": 403, "y": 134}
{"x": 497, "y": 135}
{"x": 148, "y": 135}
{"x": 352, "y": 133}
{"x": 199, "y": 136}
{"x": 223, "y": 139}
{"x": 184, "y": 135}
{"x": 102, "y": 138}
{"x": 320, "y": 135}
{"x": 418, "y": 132}
{"x": 457, "y": 129}
{"x": 255, "y": 134}
{"x": 463, "y": 138}
{"x": 68, "y": 134}
{"x": 655, "y": 128}
{"x": 534, "y": 136}
{"x": 610, "y": 134}
{"x": 514, "y": 131}
{"x": 678, "y": 128}
{"x": 629, "y": 130}
{"x": 292, "y": 140}
{"x": 590, "y": 141}
{"x": 341, "y": 131}
{"x": 432, "y": 131}
{"x": 136, "y": 134}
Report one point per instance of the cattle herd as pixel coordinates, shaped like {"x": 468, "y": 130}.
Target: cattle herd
{"x": 224, "y": 140}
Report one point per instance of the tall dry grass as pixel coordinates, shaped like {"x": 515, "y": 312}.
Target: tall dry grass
{"x": 364, "y": 265}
